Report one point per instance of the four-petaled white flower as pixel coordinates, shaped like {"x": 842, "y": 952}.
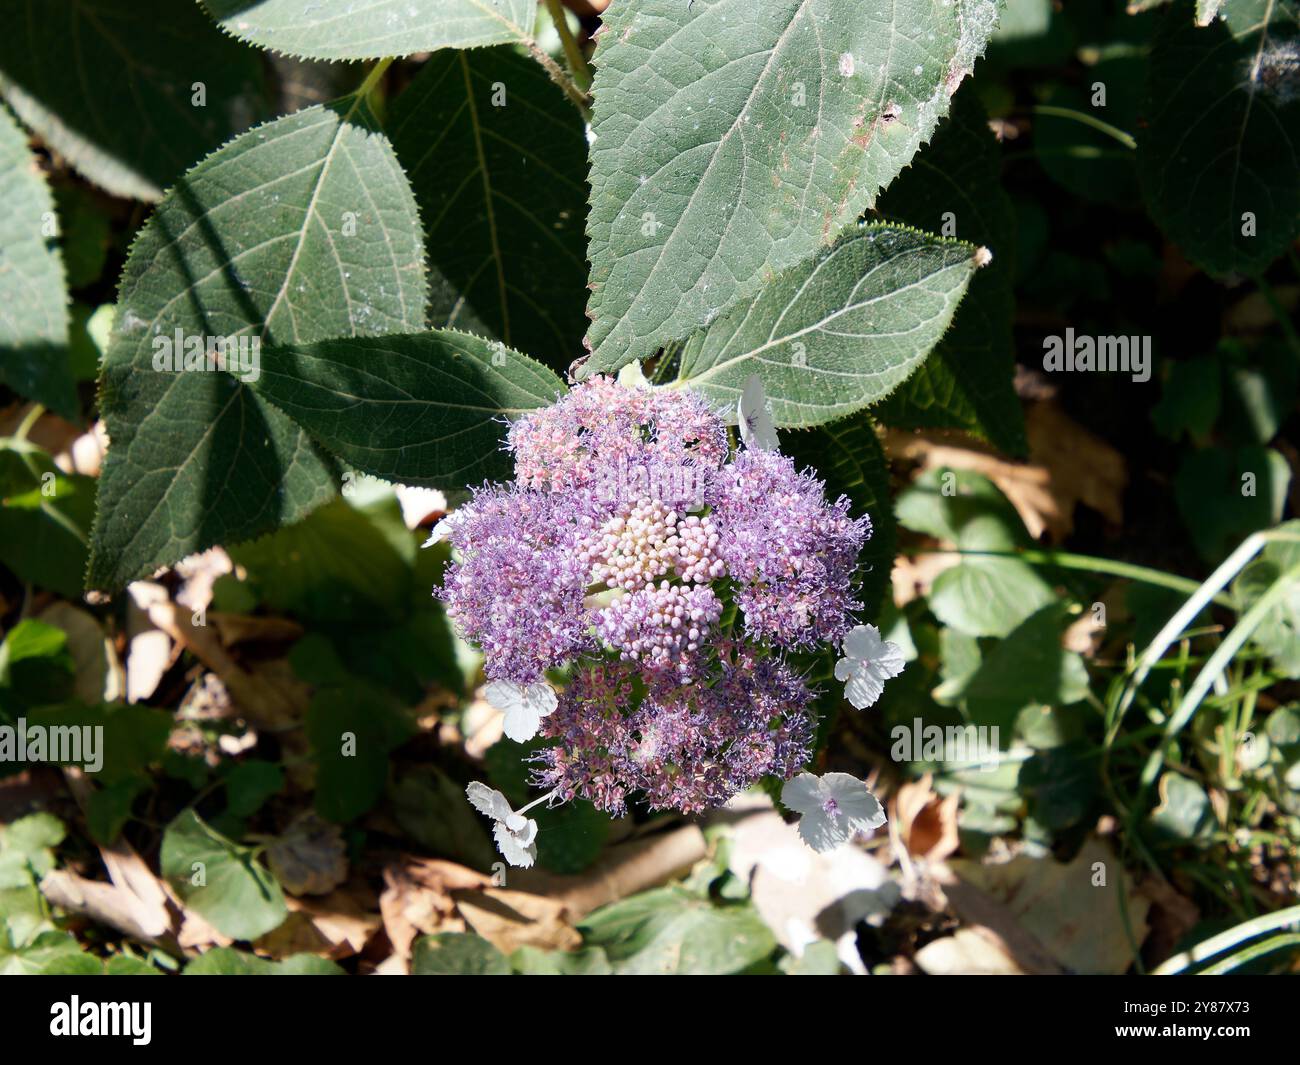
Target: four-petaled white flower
{"x": 516, "y": 835}
{"x": 832, "y": 808}
{"x": 757, "y": 430}
{"x": 869, "y": 661}
{"x": 524, "y": 707}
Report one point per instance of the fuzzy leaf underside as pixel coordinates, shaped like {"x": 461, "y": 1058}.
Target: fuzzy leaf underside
{"x": 839, "y": 331}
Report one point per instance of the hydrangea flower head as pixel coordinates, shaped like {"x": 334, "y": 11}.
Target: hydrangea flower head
{"x": 672, "y": 576}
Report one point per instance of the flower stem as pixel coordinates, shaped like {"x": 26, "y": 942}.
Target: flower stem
{"x": 573, "y": 53}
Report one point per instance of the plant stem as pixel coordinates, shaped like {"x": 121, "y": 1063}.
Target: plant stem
{"x": 573, "y": 53}
{"x": 29, "y": 420}
{"x": 1114, "y": 132}
{"x": 1280, "y": 313}
{"x": 368, "y": 86}
{"x": 557, "y": 75}
{"x": 1090, "y": 564}
{"x": 1218, "y": 944}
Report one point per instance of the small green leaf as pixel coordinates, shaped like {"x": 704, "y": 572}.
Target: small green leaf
{"x": 220, "y": 880}
{"x": 1279, "y": 633}
{"x": 352, "y": 728}
{"x": 250, "y": 784}
{"x": 1248, "y": 486}
{"x": 457, "y": 954}
{"x": 226, "y": 961}
{"x": 1184, "y": 812}
{"x": 49, "y": 954}
{"x": 839, "y": 331}
{"x": 337, "y": 29}
{"x": 422, "y": 409}
{"x": 530, "y": 961}
{"x": 670, "y": 930}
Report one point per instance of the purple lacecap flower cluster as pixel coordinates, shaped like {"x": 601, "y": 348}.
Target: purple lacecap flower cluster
{"x": 628, "y": 526}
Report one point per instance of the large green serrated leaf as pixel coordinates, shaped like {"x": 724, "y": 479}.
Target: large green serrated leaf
{"x": 839, "y": 331}
{"x": 296, "y": 231}
{"x": 114, "y": 85}
{"x": 1221, "y": 149}
{"x": 966, "y": 381}
{"x": 422, "y": 409}
{"x": 343, "y": 29}
{"x": 33, "y": 297}
{"x": 733, "y": 139}
{"x": 848, "y": 456}
{"x": 496, "y": 156}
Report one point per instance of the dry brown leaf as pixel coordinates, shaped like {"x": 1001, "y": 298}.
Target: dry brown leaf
{"x": 241, "y": 628}
{"x": 150, "y": 650}
{"x": 309, "y": 857}
{"x": 1083, "y": 467}
{"x": 1058, "y": 905}
{"x": 912, "y": 577}
{"x": 512, "y": 919}
{"x": 417, "y": 898}
{"x": 99, "y": 676}
{"x": 1068, "y": 465}
{"x": 926, "y": 823}
{"x": 968, "y": 952}
{"x": 335, "y": 926}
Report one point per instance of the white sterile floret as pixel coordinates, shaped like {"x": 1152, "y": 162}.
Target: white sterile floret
{"x": 833, "y": 808}
{"x": 516, "y": 835}
{"x": 757, "y": 430}
{"x": 523, "y": 706}
{"x": 869, "y": 661}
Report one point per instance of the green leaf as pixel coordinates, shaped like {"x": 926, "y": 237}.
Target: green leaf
{"x": 132, "y": 736}
{"x": 848, "y": 456}
{"x": 352, "y": 728}
{"x": 35, "y": 667}
{"x": 49, "y": 954}
{"x": 336, "y": 29}
{"x": 45, "y": 517}
{"x": 988, "y": 596}
{"x": 457, "y": 954}
{"x": 1027, "y": 668}
{"x": 431, "y": 809}
{"x": 1221, "y": 146}
{"x": 1184, "y": 812}
{"x": 33, "y": 295}
{"x": 966, "y": 381}
{"x": 112, "y": 85}
{"x": 296, "y": 231}
{"x": 839, "y": 331}
{"x": 422, "y": 409}
{"x": 671, "y": 931}
{"x": 27, "y": 849}
{"x": 226, "y": 961}
{"x": 531, "y": 961}
{"x": 329, "y": 567}
{"x": 220, "y": 880}
{"x": 497, "y": 157}
{"x": 1189, "y": 401}
{"x": 1248, "y": 487}
{"x": 732, "y": 140}
{"x": 1279, "y": 633}
{"x": 250, "y": 784}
